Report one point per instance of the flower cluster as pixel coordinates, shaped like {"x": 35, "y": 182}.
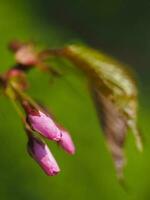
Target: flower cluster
{"x": 38, "y": 123}
{"x": 113, "y": 90}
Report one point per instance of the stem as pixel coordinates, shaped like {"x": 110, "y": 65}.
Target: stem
{"x": 18, "y": 110}
{"x": 50, "y": 52}
{"x": 57, "y": 53}
{"x": 10, "y": 94}
{"x": 24, "y": 96}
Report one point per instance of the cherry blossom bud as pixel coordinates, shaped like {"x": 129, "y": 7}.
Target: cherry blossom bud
{"x": 42, "y": 123}
{"x": 18, "y": 76}
{"x": 26, "y": 55}
{"x": 66, "y": 142}
{"x": 14, "y": 73}
{"x": 40, "y": 152}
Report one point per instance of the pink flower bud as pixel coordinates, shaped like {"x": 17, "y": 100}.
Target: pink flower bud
{"x": 66, "y": 142}
{"x": 45, "y": 125}
{"x": 18, "y": 76}
{"x": 42, "y": 123}
{"x": 26, "y": 55}
{"x": 14, "y": 73}
{"x": 43, "y": 156}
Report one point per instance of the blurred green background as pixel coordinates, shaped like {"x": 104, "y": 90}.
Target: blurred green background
{"x": 118, "y": 27}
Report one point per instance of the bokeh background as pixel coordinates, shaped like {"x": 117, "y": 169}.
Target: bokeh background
{"x": 118, "y": 27}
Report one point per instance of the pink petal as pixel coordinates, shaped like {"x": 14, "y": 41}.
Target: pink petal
{"x": 43, "y": 156}
{"x": 66, "y": 142}
{"x": 45, "y": 126}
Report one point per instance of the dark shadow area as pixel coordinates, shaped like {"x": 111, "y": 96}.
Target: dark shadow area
{"x": 120, "y": 28}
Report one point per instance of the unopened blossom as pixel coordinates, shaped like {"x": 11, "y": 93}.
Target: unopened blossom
{"x": 18, "y": 76}
{"x": 66, "y": 142}
{"x": 26, "y": 55}
{"x": 42, "y": 123}
{"x": 14, "y": 72}
{"x": 40, "y": 152}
